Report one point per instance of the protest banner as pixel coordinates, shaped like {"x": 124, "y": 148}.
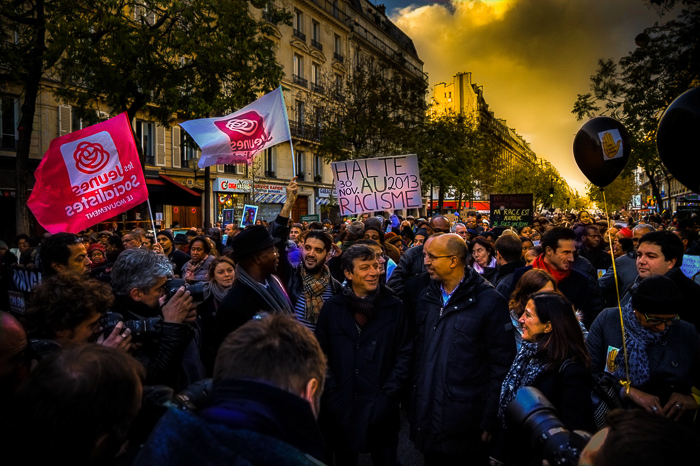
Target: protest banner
{"x": 238, "y": 137}
{"x": 87, "y": 177}
{"x": 370, "y": 185}
{"x": 511, "y": 210}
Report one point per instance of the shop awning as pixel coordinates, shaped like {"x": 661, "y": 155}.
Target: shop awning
{"x": 165, "y": 190}
{"x": 270, "y": 198}
{"x": 322, "y": 201}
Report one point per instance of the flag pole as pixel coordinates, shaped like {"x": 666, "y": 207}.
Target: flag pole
{"x": 150, "y": 213}
{"x": 291, "y": 146}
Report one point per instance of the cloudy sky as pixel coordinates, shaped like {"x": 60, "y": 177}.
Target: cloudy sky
{"x": 532, "y": 57}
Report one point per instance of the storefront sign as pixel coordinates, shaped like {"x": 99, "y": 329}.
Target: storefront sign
{"x": 370, "y": 185}
{"x": 511, "y": 210}
{"x": 270, "y": 189}
{"x": 311, "y": 218}
{"x": 232, "y": 185}
{"x": 324, "y": 192}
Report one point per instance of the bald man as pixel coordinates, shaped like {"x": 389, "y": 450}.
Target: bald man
{"x": 13, "y": 344}
{"x": 411, "y": 263}
{"x": 463, "y": 349}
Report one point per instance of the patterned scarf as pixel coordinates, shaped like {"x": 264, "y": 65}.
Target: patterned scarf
{"x": 525, "y": 369}
{"x": 192, "y": 269}
{"x": 558, "y": 275}
{"x": 313, "y": 292}
{"x": 213, "y": 288}
{"x": 638, "y": 340}
{"x": 362, "y": 308}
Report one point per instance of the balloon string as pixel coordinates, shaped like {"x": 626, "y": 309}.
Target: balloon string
{"x": 627, "y": 383}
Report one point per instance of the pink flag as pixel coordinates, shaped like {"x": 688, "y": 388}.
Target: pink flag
{"x": 237, "y": 137}
{"x": 88, "y": 176}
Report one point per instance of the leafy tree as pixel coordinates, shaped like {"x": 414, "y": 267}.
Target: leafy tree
{"x": 617, "y": 193}
{"x": 376, "y": 111}
{"x": 638, "y": 89}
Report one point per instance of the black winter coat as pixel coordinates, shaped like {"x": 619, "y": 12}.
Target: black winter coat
{"x": 367, "y": 372}
{"x": 462, "y": 354}
{"x": 410, "y": 265}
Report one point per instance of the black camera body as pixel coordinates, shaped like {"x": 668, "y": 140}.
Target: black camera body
{"x": 139, "y": 328}
{"x": 38, "y": 349}
{"x": 196, "y": 289}
{"x": 532, "y": 413}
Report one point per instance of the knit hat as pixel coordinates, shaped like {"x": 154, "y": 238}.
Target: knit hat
{"x": 656, "y": 295}
{"x": 626, "y": 232}
{"x": 166, "y": 233}
{"x": 96, "y": 246}
{"x": 422, "y": 232}
{"x": 356, "y": 228}
{"x": 377, "y": 229}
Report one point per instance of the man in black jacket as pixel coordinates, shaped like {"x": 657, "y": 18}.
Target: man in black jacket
{"x": 364, "y": 334}
{"x": 257, "y": 288}
{"x": 593, "y": 248}
{"x": 509, "y": 250}
{"x": 463, "y": 350}
{"x": 176, "y": 257}
{"x": 139, "y": 282}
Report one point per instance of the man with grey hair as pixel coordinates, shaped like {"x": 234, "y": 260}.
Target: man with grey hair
{"x": 167, "y": 351}
{"x": 626, "y": 267}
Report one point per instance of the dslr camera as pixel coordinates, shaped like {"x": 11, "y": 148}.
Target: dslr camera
{"x": 139, "y": 328}
{"x": 196, "y": 289}
{"x": 532, "y": 413}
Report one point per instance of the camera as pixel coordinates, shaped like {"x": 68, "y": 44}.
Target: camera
{"x": 39, "y": 349}
{"x": 532, "y": 413}
{"x": 139, "y": 328}
{"x": 196, "y": 289}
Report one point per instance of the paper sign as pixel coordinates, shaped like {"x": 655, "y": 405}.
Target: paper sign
{"x": 371, "y": 185}
{"x": 611, "y": 143}
{"x": 250, "y": 212}
{"x": 691, "y": 266}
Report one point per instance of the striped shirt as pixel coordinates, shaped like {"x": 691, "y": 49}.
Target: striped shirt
{"x": 300, "y": 306}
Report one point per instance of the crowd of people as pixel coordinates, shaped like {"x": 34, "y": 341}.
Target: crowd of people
{"x": 295, "y": 344}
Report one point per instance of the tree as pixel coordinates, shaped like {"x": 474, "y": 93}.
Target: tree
{"x": 28, "y": 50}
{"x": 377, "y": 110}
{"x": 638, "y": 89}
{"x": 618, "y": 193}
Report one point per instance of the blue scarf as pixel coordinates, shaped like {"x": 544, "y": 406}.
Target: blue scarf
{"x": 638, "y": 340}
{"x": 525, "y": 369}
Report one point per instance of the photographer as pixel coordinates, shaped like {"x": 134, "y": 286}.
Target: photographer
{"x": 66, "y": 308}
{"x": 168, "y": 351}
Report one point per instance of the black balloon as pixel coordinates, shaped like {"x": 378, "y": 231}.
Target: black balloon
{"x": 600, "y": 151}
{"x": 678, "y": 139}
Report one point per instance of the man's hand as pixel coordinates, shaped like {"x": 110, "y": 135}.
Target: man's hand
{"x": 486, "y": 436}
{"x": 677, "y": 406}
{"x": 179, "y": 307}
{"x": 120, "y": 338}
{"x": 292, "y": 194}
{"x": 157, "y": 248}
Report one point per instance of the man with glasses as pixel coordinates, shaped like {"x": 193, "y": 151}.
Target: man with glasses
{"x": 131, "y": 241}
{"x": 411, "y": 263}
{"x": 256, "y": 290}
{"x": 463, "y": 350}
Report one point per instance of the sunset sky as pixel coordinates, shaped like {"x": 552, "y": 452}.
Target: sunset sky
{"x": 532, "y": 57}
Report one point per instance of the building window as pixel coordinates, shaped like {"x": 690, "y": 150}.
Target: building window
{"x": 337, "y": 45}
{"x": 316, "y": 36}
{"x": 299, "y": 66}
{"x": 188, "y": 149}
{"x": 300, "y": 165}
{"x": 145, "y": 133}
{"x": 318, "y": 169}
{"x": 8, "y": 123}
{"x": 336, "y": 9}
{"x": 299, "y": 25}
{"x": 300, "y": 112}
{"x": 270, "y": 162}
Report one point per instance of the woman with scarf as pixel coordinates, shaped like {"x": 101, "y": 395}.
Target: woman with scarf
{"x": 221, "y": 274}
{"x": 483, "y": 258}
{"x": 197, "y": 268}
{"x": 663, "y": 351}
{"x": 553, "y": 359}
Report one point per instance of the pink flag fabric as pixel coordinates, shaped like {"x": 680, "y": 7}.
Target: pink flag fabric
{"x": 238, "y": 137}
{"x": 88, "y": 176}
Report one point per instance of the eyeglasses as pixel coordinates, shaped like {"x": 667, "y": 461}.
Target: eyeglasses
{"x": 667, "y": 322}
{"x": 432, "y": 258}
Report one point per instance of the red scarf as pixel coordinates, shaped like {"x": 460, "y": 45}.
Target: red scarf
{"x": 539, "y": 263}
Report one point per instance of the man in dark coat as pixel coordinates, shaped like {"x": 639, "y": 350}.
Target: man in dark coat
{"x": 463, "y": 349}
{"x": 509, "y": 250}
{"x": 364, "y": 334}
{"x": 593, "y": 249}
{"x": 176, "y": 257}
{"x": 268, "y": 380}
{"x": 557, "y": 258}
{"x": 257, "y": 289}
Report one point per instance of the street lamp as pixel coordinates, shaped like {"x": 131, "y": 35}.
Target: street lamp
{"x": 194, "y": 165}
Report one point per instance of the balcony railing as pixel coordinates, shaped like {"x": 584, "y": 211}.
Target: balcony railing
{"x": 338, "y": 57}
{"x": 316, "y": 44}
{"x": 317, "y": 88}
{"x": 300, "y": 81}
{"x": 299, "y": 35}
{"x": 301, "y": 176}
{"x": 305, "y": 131}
